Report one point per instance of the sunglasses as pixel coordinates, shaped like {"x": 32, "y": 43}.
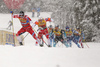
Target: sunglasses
{"x": 21, "y": 15}
{"x": 67, "y": 28}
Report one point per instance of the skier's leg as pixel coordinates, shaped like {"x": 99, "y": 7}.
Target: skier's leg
{"x": 47, "y": 36}
{"x": 50, "y": 41}
{"x": 55, "y": 42}
{"x": 39, "y": 37}
{"x": 65, "y": 43}
{"x": 38, "y": 42}
{"x": 80, "y": 41}
{"x": 30, "y": 30}
{"x": 21, "y": 31}
{"x": 76, "y": 42}
{"x": 70, "y": 43}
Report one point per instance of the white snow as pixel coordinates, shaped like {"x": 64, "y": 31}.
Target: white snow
{"x": 30, "y": 55}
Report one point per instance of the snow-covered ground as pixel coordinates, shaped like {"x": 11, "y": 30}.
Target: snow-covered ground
{"x": 30, "y": 55}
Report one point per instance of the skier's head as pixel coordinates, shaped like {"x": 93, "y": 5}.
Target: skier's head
{"x": 50, "y": 27}
{"x": 78, "y": 28}
{"x": 56, "y": 27}
{"x": 21, "y": 14}
{"x": 40, "y": 19}
{"x": 67, "y": 28}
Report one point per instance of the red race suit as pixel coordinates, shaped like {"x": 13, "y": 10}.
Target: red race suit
{"x": 43, "y": 29}
{"x": 26, "y": 27}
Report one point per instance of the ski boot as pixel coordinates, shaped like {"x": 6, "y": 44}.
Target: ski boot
{"x": 21, "y": 43}
{"x": 49, "y": 46}
{"x": 41, "y": 45}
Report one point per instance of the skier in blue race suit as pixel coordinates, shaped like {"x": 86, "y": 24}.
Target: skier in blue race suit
{"x": 78, "y": 35}
{"x": 68, "y": 34}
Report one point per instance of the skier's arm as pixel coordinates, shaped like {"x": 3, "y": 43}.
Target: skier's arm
{"x": 83, "y": 36}
{"x": 29, "y": 20}
{"x": 34, "y": 24}
{"x": 65, "y": 35}
{"x": 49, "y": 19}
{"x": 73, "y": 30}
{"x": 52, "y": 34}
{"x": 62, "y": 32}
{"x": 14, "y": 16}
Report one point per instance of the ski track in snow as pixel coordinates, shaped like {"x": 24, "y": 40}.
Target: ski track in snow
{"x": 30, "y": 55}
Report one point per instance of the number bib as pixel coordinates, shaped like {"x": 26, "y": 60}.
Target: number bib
{"x": 69, "y": 33}
{"x": 42, "y": 24}
{"x": 57, "y": 33}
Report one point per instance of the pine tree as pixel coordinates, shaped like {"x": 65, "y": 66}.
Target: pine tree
{"x": 87, "y": 17}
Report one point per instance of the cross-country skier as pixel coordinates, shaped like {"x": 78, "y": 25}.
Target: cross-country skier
{"x": 51, "y": 34}
{"x": 26, "y": 26}
{"x": 43, "y": 29}
{"x": 78, "y": 35}
{"x": 68, "y": 34}
{"x": 58, "y": 36}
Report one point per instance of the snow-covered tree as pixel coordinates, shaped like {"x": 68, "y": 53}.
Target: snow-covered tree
{"x": 87, "y": 17}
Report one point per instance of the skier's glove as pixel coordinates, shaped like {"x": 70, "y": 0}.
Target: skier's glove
{"x": 49, "y": 19}
{"x": 11, "y": 12}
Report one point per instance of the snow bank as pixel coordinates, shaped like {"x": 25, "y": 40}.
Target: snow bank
{"x": 34, "y": 56}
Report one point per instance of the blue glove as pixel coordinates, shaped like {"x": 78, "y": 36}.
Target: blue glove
{"x": 11, "y": 12}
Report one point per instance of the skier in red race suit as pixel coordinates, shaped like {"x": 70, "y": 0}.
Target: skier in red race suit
{"x": 43, "y": 29}
{"x": 26, "y": 26}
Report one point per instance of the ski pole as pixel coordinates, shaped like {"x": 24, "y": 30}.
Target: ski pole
{"x": 13, "y": 27}
{"x": 87, "y": 45}
{"x": 44, "y": 41}
{"x": 25, "y": 36}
